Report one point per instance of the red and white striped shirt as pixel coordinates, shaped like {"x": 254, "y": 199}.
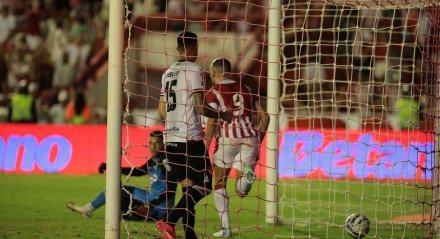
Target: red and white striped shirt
{"x": 230, "y": 94}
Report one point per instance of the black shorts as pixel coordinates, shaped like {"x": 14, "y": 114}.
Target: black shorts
{"x": 190, "y": 160}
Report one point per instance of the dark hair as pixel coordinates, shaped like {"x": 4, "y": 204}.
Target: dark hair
{"x": 80, "y": 102}
{"x": 156, "y": 133}
{"x": 222, "y": 64}
{"x": 186, "y": 39}
{"x": 23, "y": 87}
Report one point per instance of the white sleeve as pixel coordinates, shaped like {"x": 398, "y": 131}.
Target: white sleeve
{"x": 162, "y": 87}
{"x": 195, "y": 79}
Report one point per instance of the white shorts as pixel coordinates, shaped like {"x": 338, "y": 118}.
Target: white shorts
{"x": 233, "y": 153}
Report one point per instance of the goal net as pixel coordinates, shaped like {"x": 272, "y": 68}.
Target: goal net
{"x": 357, "y": 128}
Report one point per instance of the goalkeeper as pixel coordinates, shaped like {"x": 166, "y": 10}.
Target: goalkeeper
{"x": 150, "y": 204}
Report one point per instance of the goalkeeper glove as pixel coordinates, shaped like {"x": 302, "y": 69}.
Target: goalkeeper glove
{"x": 102, "y": 167}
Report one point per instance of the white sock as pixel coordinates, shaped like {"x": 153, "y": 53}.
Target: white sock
{"x": 222, "y": 204}
{"x": 243, "y": 187}
{"x": 88, "y": 207}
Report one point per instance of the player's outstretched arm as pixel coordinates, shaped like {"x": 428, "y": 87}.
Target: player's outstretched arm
{"x": 140, "y": 171}
{"x": 208, "y": 111}
{"x": 102, "y": 168}
{"x": 135, "y": 171}
{"x": 162, "y": 107}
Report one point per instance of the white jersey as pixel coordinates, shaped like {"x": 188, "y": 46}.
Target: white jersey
{"x": 179, "y": 82}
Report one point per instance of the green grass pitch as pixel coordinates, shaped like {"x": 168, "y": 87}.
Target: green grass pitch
{"x": 32, "y": 206}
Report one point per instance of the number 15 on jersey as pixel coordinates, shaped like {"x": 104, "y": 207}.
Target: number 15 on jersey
{"x": 171, "y": 95}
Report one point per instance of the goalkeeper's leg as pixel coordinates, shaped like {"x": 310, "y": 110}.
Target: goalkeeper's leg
{"x": 128, "y": 195}
{"x": 87, "y": 209}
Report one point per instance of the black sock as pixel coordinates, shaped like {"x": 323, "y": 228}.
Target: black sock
{"x": 189, "y": 222}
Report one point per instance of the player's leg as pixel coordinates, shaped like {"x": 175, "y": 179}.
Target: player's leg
{"x": 82, "y": 210}
{"x": 99, "y": 201}
{"x": 196, "y": 179}
{"x": 155, "y": 212}
{"x": 199, "y": 174}
{"x": 129, "y": 204}
{"x": 137, "y": 193}
{"x": 223, "y": 159}
{"x": 244, "y": 165}
{"x": 221, "y": 199}
{"x": 184, "y": 209}
{"x": 149, "y": 211}
{"x": 192, "y": 196}
{"x": 87, "y": 209}
{"x": 177, "y": 158}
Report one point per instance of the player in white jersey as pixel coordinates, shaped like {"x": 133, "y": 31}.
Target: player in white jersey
{"x": 180, "y": 81}
{"x": 181, "y": 105}
{"x": 237, "y": 141}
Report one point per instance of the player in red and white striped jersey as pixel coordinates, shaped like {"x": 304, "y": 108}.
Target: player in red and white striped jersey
{"x": 237, "y": 141}
{"x": 238, "y": 97}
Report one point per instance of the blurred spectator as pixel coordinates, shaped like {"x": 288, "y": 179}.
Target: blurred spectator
{"x": 236, "y": 12}
{"x": 176, "y": 9}
{"x": 64, "y": 72}
{"x": 422, "y": 28}
{"x": 407, "y": 108}
{"x": 57, "y": 38}
{"x": 348, "y": 100}
{"x": 35, "y": 17}
{"x": 60, "y": 5}
{"x": 161, "y": 5}
{"x": 77, "y": 110}
{"x": 75, "y": 3}
{"x": 4, "y": 108}
{"x": 313, "y": 75}
{"x": 22, "y": 108}
{"x": 313, "y": 70}
{"x": 4, "y": 73}
{"x": 81, "y": 36}
{"x": 376, "y": 117}
{"x": 19, "y": 61}
{"x": 57, "y": 111}
{"x": 42, "y": 69}
{"x": 7, "y": 23}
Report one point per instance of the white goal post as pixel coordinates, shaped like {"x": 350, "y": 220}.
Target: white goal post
{"x": 114, "y": 115}
{"x": 273, "y": 109}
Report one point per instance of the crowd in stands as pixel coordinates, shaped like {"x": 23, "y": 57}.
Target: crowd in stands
{"x": 338, "y": 60}
{"x": 43, "y": 45}
{"x": 48, "y": 43}
{"x": 364, "y": 67}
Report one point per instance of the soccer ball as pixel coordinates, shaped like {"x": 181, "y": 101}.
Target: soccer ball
{"x": 357, "y": 225}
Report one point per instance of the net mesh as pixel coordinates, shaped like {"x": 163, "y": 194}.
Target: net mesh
{"x": 362, "y": 78}
{"x": 359, "y": 83}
